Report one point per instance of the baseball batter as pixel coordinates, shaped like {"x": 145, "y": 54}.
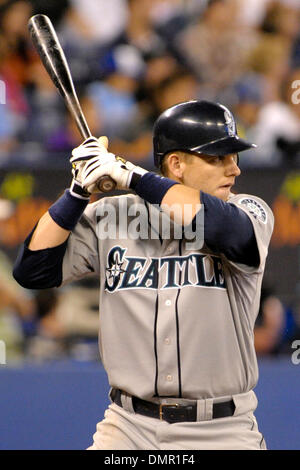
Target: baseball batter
{"x": 176, "y": 317}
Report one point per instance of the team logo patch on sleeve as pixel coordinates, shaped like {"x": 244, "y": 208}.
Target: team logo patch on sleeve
{"x": 255, "y": 208}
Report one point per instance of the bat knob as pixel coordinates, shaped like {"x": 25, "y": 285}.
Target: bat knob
{"x": 106, "y": 184}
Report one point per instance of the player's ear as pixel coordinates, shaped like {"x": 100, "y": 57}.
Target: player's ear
{"x": 103, "y": 140}
{"x": 175, "y": 165}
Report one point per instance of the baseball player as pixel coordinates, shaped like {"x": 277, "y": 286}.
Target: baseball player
{"x": 176, "y": 317}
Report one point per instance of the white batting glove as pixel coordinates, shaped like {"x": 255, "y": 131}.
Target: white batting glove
{"x": 87, "y": 151}
{"x": 120, "y": 170}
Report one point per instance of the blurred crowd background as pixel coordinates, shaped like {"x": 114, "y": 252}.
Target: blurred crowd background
{"x": 130, "y": 60}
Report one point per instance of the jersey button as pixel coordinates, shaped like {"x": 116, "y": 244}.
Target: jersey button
{"x": 168, "y": 303}
{"x": 167, "y": 341}
{"x": 169, "y": 378}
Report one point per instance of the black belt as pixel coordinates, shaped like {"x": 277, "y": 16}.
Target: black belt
{"x": 173, "y": 413}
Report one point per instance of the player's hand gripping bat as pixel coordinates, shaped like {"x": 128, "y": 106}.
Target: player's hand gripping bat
{"x": 52, "y": 55}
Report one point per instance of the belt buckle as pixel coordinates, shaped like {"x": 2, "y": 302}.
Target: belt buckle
{"x": 176, "y": 405}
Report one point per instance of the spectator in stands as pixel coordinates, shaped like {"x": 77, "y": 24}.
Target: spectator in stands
{"x": 99, "y": 23}
{"x": 222, "y": 47}
{"x": 14, "y": 15}
{"x": 66, "y": 324}
{"x": 139, "y": 29}
{"x": 292, "y": 333}
{"x": 278, "y": 128}
{"x": 115, "y": 95}
{"x": 159, "y": 67}
{"x": 46, "y": 108}
{"x": 282, "y": 18}
{"x": 78, "y": 310}
{"x": 179, "y": 87}
{"x": 136, "y": 141}
{"x": 247, "y": 96}
{"x": 7, "y": 133}
{"x": 48, "y": 342}
{"x": 269, "y": 324}
{"x": 253, "y": 12}
{"x": 66, "y": 135}
{"x": 15, "y": 307}
{"x": 56, "y": 9}
{"x": 14, "y": 59}
{"x": 270, "y": 59}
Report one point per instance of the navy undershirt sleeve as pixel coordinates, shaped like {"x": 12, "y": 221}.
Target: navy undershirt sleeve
{"x": 40, "y": 269}
{"x": 228, "y": 230}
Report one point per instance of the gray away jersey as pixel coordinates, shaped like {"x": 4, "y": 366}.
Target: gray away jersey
{"x": 174, "y": 322}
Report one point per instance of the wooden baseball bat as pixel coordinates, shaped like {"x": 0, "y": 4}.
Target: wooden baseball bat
{"x": 47, "y": 44}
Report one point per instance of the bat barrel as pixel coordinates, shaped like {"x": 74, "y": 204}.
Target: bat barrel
{"x": 51, "y": 53}
{"x": 47, "y": 44}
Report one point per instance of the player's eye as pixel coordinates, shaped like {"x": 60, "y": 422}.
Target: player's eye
{"x": 214, "y": 159}
{"x": 219, "y": 159}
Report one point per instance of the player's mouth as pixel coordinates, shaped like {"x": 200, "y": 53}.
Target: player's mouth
{"x": 226, "y": 186}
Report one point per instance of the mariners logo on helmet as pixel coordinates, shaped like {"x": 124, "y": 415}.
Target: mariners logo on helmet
{"x": 229, "y": 119}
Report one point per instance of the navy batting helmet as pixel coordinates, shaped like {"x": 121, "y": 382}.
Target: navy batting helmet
{"x": 197, "y": 126}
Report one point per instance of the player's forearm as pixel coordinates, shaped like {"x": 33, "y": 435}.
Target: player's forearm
{"x": 40, "y": 259}
{"x": 47, "y": 234}
{"x": 54, "y": 227}
{"x": 181, "y": 203}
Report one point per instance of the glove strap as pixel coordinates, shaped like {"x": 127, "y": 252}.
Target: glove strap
{"x": 77, "y": 190}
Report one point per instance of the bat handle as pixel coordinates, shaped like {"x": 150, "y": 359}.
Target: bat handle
{"x": 105, "y": 184}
